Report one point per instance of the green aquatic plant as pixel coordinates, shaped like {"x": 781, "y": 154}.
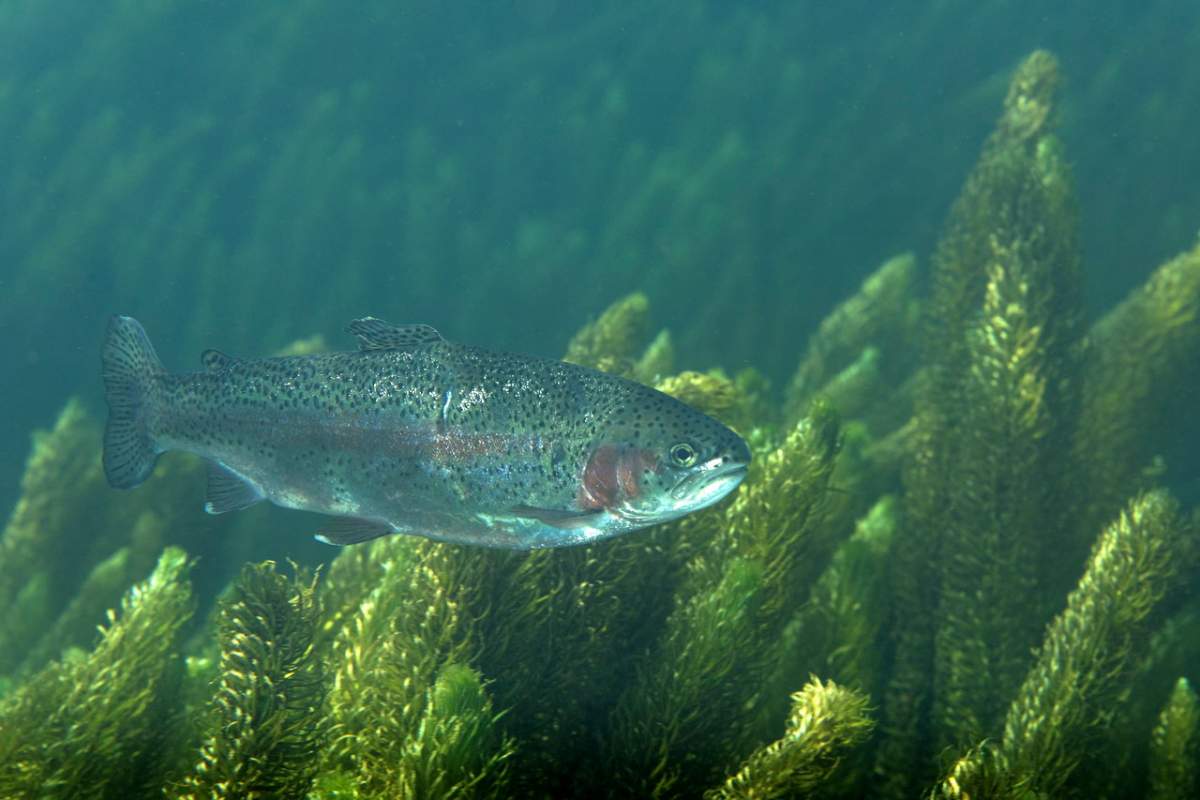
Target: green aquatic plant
{"x": 891, "y": 605}
{"x": 76, "y": 623}
{"x": 457, "y": 749}
{"x": 860, "y": 360}
{"x": 1175, "y": 748}
{"x": 826, "y": 721}
{"x": 840, "y": 630}
{"x": 1066, "y": 699}
{"x": 92, "y": 724}
{"x": 713, "y": 393}
{"x": 61, "y": 475}
{"x": 994, "y": 409}
{"x": 612, "y": 341}
{"x": 559, "y": 626}
{"x": 400, "y": 678}
{"x": 1136, "y": 376}
{"x": 863, "y": 351}
{"x": 266, "y": 731}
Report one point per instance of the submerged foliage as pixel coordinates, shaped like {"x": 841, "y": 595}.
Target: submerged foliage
{"x": 266, "y": 729}
{"x": 825, "y": 722}
{"x": 1175, "y": 749}
{"x": 92, "y": 724}
{"x": 899, "y": 601}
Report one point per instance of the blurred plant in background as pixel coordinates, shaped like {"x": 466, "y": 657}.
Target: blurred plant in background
{"x": 953, "y": 569}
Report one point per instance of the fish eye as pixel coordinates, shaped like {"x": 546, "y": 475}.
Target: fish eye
{"x": 683, "y": 454}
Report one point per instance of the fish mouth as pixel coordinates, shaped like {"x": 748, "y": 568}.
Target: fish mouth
{"x": 696, "y": 491}
{"x": 702, "y": 489}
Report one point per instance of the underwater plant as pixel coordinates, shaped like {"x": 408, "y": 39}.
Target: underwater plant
{"x": 92, "y": 724}
{"x": 266, "y": 730}
{"x": 955, "y": 569}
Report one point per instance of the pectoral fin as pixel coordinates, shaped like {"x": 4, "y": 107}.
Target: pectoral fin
{"x": 557, "y": 518}
{"x": 228, "y": 491}
{"x": 352, "y": 530}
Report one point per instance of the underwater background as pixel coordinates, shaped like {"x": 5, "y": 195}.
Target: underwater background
{"x": 938, "y": 262}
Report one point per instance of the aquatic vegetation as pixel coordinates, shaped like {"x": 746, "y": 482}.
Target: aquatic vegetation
{"x": 953, "y": 568}
{"x": 53, "y": 602}
{"x": 994, "y": 408}
{"x": 865, "y": 349}
{"x": 266, "y": 728}
{"x": 1175, "y": 749}
{"x": 92, "y": 724}
{"x": 1074, "y": 682}
{"x": 826, "y": 720}
{"x": 409, "y": 718}
{"x": 1136, "y": 373}
{"x": 611, "y": 342}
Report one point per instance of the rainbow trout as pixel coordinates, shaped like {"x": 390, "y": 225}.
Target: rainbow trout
{"x": 413, "y": 434}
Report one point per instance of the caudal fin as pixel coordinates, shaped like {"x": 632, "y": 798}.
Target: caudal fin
{"x": 129, "y": 363}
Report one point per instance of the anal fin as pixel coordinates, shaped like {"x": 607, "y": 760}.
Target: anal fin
{"x": 352, "y": 530}
{"x": 228, "y": 491}
{"x": 565, "y": 520}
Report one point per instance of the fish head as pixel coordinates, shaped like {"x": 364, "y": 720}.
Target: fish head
{"x": 672, "y": 463}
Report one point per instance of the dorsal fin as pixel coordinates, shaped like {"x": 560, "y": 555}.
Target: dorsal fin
{"x": 376, "y": 334}
{"x": 215, "y": 360}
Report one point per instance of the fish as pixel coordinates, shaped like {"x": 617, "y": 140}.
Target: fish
{"x": 414, "y": 434}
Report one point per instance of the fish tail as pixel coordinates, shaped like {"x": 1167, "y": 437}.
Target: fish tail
{"x": 129, "y": 364}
